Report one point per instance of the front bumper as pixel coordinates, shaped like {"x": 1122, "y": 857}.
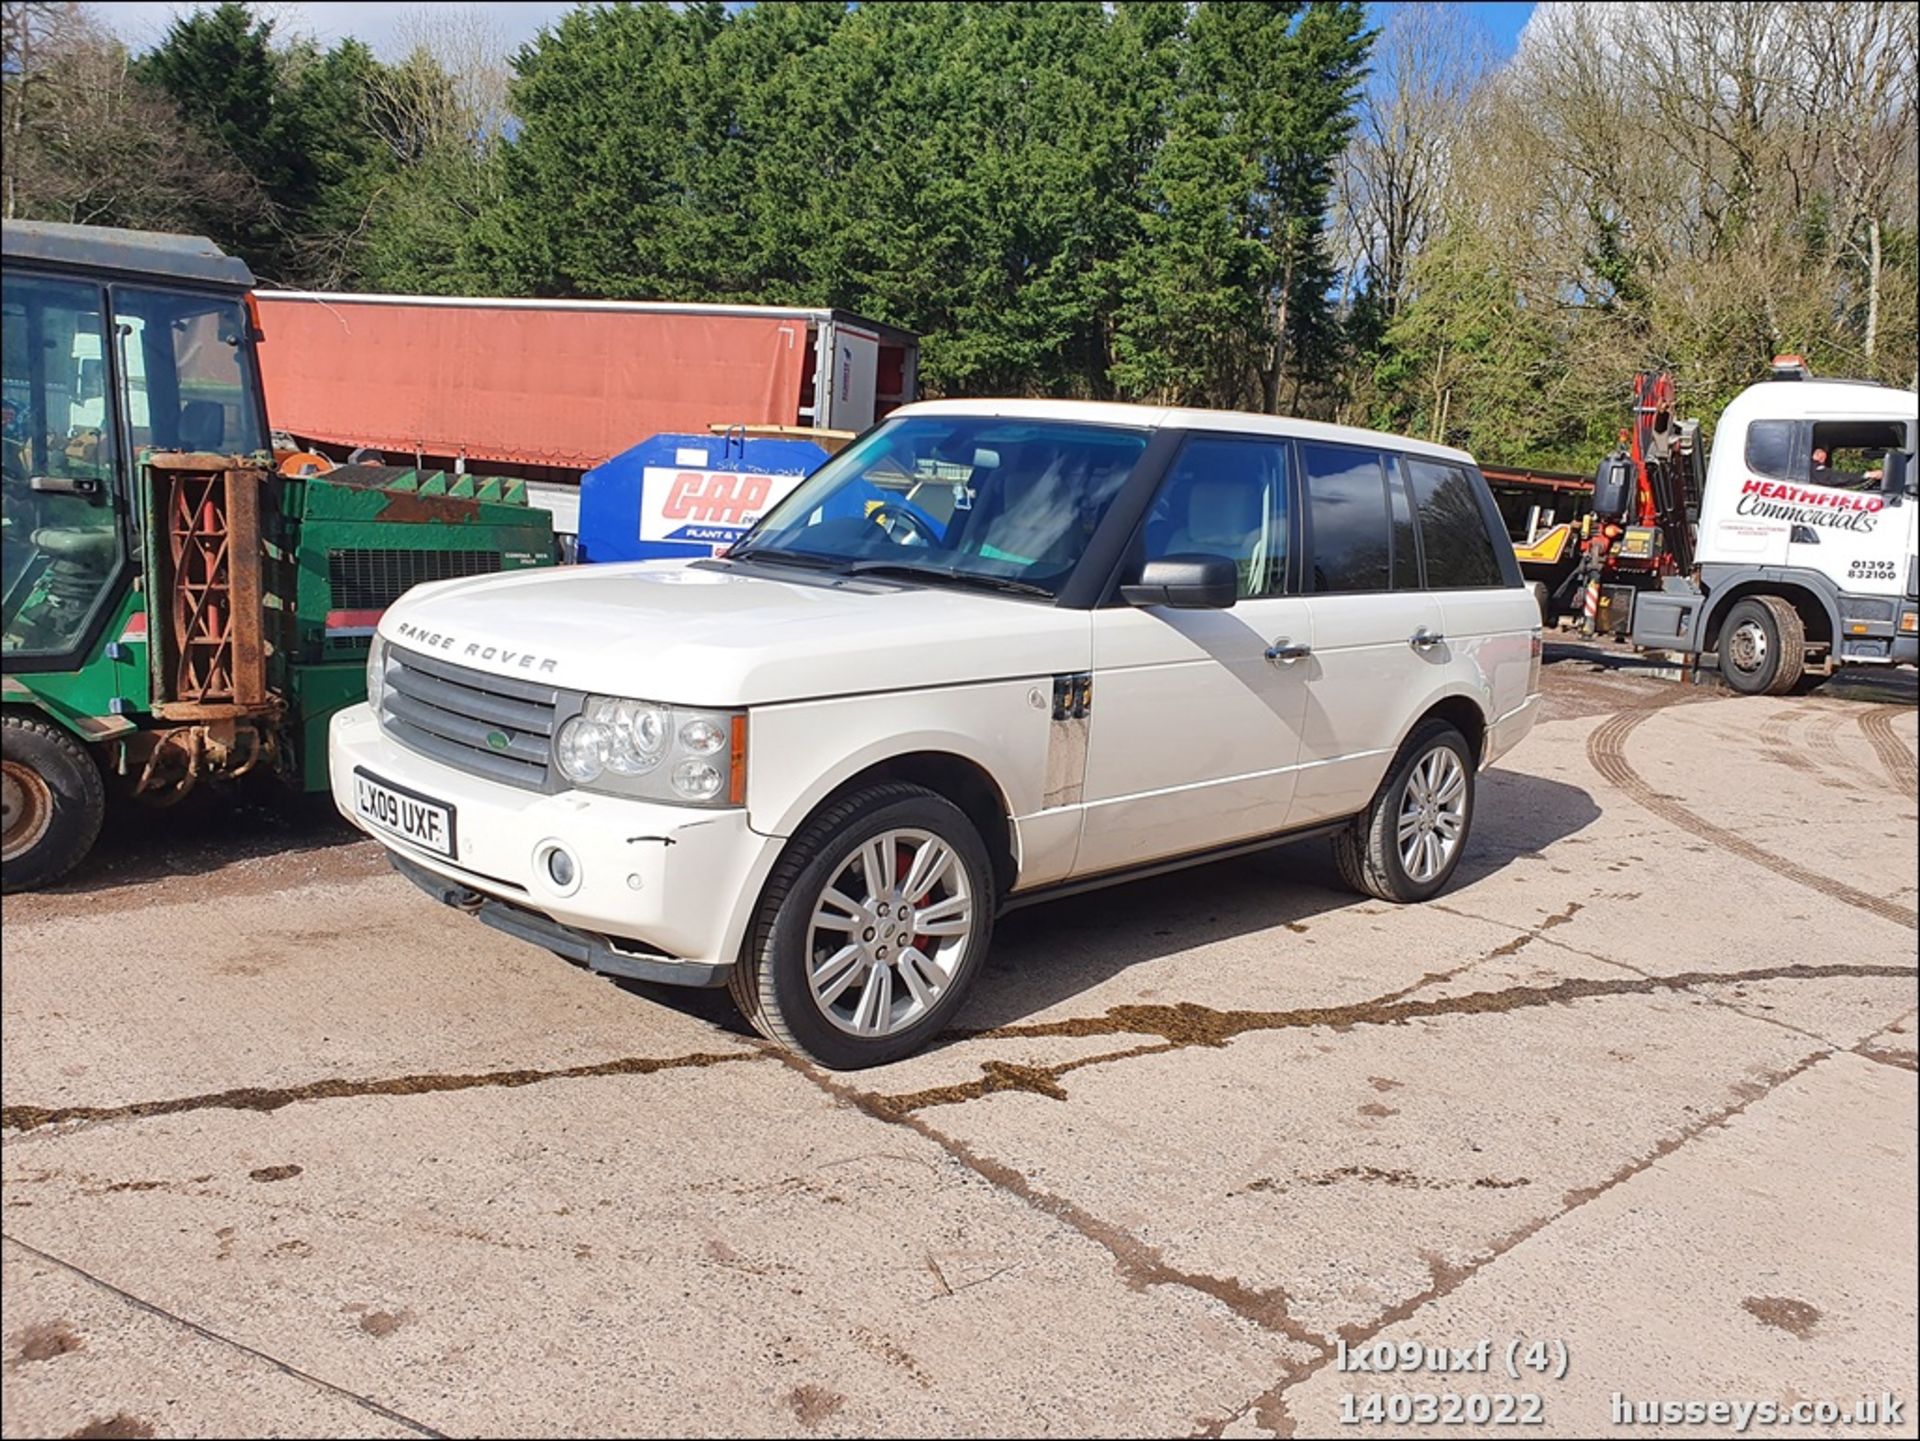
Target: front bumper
{"x": 672, "y": 884}
{"x": 596, "y": 953}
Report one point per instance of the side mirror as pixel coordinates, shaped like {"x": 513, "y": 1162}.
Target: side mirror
{"x": 1896, "y": 475}
{"x": 1186, "y": 582}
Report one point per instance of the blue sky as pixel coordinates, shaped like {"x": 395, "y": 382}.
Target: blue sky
{"x": 1504, "y": 19}
{"x": 142, "y": 22}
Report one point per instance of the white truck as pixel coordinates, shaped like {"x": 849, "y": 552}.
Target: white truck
{"x": 991, "y": 651}
{"x": 1805, "y": 557}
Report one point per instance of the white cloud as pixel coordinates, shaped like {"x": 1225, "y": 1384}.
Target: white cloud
{"x": 142, "y": 23}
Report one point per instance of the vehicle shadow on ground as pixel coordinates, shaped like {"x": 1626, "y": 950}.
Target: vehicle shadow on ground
{"x": 1049, "y": 953}
{"x": 210, "y": 830}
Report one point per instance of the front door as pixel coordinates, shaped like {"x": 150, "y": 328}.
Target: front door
{"x": 62, "y": 561}
{"x": 1853, "y": 532}
{"x": 1195, "y": 728}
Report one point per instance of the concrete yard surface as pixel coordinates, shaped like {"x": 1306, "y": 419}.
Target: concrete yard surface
{"x": 1627, "y": 1117}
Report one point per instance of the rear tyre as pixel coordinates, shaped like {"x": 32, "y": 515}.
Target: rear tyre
{"x": 871, "y": 929}
{"x": 1405, "y": 845}
{"x": 1763, "y": 646}
{"x": 51, "y": 803}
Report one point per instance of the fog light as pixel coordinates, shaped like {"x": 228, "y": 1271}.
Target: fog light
{"x": 556, "y": 862}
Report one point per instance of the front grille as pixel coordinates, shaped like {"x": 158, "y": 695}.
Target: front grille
{"x": 375, "y": 579}
{"x": 488, "y": 725}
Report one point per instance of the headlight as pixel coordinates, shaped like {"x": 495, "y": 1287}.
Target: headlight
{"x": 654, "y": 752}
{"x": 376, "y": 672}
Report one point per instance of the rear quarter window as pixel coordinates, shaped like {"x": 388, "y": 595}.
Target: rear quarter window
{"x": 1458, "y": 546}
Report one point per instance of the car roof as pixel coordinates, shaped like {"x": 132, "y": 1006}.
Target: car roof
{"x": 1157, "y": 417}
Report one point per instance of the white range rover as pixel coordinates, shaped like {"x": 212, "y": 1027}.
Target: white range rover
{"x": 991, "y": 652}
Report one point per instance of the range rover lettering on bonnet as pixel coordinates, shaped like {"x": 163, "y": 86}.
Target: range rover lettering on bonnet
{"x": 442, "y": 641}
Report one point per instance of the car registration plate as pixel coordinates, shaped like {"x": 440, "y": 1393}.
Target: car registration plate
{"x": 407, "y": 814}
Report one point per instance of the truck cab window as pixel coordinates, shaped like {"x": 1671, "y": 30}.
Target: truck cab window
{"x": 1852, "y": 454}
{"x": 1770, "y": 449}
{"x": 61, "y": 552}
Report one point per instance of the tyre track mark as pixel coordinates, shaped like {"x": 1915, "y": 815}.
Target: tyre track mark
{"x": 1892, "y": 752}
{"x": 1606, "y": 749}
{"x": 1809, "y": 734}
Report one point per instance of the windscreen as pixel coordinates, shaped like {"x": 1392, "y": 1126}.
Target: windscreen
{"x": 965, "y": 498}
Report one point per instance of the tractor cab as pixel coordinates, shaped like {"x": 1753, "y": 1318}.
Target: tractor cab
{"x": 114, "y": 343}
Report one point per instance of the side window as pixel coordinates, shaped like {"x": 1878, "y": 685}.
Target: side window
{"x": 186, "y": 367}
{"x": 1226, "y": 497}
{"x": 1770, "y": 449}
{"x": 1347, "y": 506}
{"x": 1852, "y": 454}
{"x": 1453, "y": 531}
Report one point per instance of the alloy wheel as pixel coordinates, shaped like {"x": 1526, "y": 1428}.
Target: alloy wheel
{"x": 1433, "y": 814}
{"x": 889, "y": 932}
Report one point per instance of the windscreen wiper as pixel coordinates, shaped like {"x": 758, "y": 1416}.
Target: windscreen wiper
{"x": 907, "y": 569}
{"x": 773, "y": 555}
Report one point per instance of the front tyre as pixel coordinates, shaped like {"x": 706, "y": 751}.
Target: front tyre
{"x": 871, "y": 928}
{"x": 1405, "y": 845}
{"x": 52, "y": 802}
{"x": 1763, "y": 646}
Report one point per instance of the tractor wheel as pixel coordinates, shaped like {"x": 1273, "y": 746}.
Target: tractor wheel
{"x": 51, "y": 803}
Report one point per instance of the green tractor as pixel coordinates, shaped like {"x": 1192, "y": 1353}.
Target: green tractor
{"x": 178, "y": 606}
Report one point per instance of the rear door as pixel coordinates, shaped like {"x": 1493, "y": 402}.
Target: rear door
{"x": 1194, "y": 733}
{"x": 1378, "y": 637}
{"x": 1489, "y": 618}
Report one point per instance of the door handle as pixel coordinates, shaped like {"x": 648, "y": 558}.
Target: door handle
{"x": 1285, "y": 652}
{"x": 84, "y": 486}
{"x": 1424, "y": 639}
